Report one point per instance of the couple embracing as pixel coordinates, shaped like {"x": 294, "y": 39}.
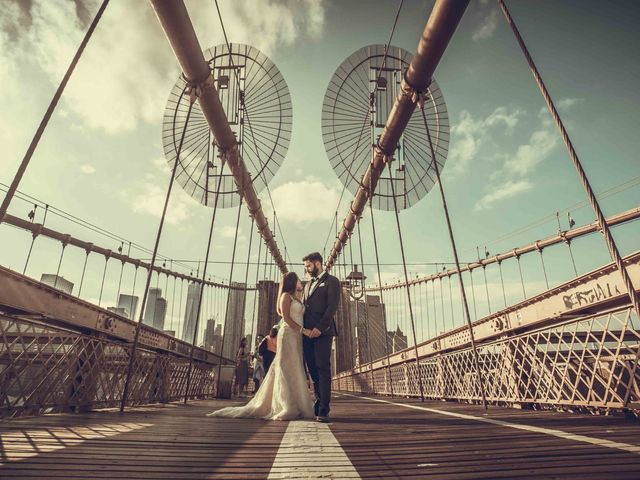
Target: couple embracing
{"x": 305, "y": 337}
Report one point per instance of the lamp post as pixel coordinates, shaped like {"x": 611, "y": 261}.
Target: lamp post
{"x": 356, "y": 287}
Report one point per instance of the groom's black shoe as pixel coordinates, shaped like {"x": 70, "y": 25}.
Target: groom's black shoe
{"x": 322, "y": 418}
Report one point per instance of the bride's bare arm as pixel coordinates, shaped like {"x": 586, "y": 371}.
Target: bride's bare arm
{"x": 285, "y": 308}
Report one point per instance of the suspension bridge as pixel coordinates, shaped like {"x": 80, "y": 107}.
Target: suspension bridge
{"x": 471, "y": 371}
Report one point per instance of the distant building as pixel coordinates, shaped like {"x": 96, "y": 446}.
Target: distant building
{"x": 234, "y": 319}
{"x": 58, "y": 282}
{"x": 371, "y": 330}
{"x": 160, "y": 313}
{"x": 150, "y": 307}
{"x": 267, "y": 302}
{"x": 191, "y": 312}
{"x": 345, "y": 342}
{"x": 397, "y": 340}
{"x": 130, "y": 304}
{"x": 213, "y": 336}
{"x": 155, "y": 310}
{"x": 119, "y": 311}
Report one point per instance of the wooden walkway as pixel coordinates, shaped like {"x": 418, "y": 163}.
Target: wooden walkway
{"x": 367, "y": 439}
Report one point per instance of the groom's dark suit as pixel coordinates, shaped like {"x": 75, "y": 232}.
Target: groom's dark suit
{"x": 321, "y": 298}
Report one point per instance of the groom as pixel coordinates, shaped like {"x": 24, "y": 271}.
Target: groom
{"x": 321, "y": 297}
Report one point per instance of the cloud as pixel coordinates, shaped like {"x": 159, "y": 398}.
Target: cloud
{"x": 487, "y": 28}
{"x": 506, "y": 190}
{"x": 150, "y": 197}
{"x": 304, "y": 202}
{"x": 528, "y": 156}
{"x": 471, "y": 133}
{"x": 88, "y": 169}
{"x": 124, "y": 75}
{"x": 567, "y": 103}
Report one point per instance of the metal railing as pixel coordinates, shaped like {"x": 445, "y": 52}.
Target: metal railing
{"x": 574, "y": 346}
{"x": 61, "y": 354}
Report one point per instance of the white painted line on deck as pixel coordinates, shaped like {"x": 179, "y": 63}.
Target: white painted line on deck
{"x": 627, "y": 447}
{"x": 309, "y": 450}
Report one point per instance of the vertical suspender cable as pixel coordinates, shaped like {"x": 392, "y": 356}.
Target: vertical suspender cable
{"x": 226, "y": 320}
{"x": 367, "y": 319}
{"x": 255, "y": 297}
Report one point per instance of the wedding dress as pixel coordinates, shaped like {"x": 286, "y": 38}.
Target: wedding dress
{"x": 283, "y": 394}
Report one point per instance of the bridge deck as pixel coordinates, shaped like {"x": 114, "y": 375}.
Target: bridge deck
{"x": 367, "y": 439}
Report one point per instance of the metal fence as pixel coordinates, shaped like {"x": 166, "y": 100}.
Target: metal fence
{"x": 587, "y": 363}
{"x": 46, "y": 368}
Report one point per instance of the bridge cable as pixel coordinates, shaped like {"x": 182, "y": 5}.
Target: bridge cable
{"x": 226, "y": 319}
{"x": 104, "y": 274}
{"x": 145, "y": 294}
{"x": 33, "y": 237}
{"x": 366, "y": 313}
{"x": 382, "y": 304}
{"x": 246, "y": 278}
{"x": 504, "y": 295}
{"x": 455, "y": 256}
{"x": 204, "y": 273}
{"x": 47, "y": 116}
{"x": 544, "y": 270}
{"x": 406, "y": 278}
{"x": 608, "y": 238}
{"x": 255, "y": 296}
{"x": 524, "y": 292}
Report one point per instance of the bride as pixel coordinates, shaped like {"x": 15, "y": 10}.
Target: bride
{"x": 283, "y": 394}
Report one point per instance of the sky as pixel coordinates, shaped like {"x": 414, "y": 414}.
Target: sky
{"x": 507, "y": 171}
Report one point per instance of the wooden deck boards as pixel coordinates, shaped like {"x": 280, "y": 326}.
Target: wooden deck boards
{"x": 381, "y": 440}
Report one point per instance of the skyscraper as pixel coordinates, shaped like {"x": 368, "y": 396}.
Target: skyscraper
{"x": 345, "y": 353}
{"x": 155, "y": 310}
{"x": 58, "y": 282}
{"x": 397, "y": 340}
{"x": 150, "y": 307}
{"x": 267, "y": 301}
{"x": 129, "y": 303}
{"x": 160, "y": 313}
{"x": 371, "y": 330}
{"x": 234, "y": 319}
{"x": 191, "y": 312}
{"x": 213, "y": 336}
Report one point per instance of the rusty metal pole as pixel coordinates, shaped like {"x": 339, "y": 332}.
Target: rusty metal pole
{"x": 175, "y": 21}
{"x": 442, "y": 23}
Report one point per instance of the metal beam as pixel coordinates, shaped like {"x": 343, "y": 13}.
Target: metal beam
{"x": 563, "y": 237}
{"x": 177, "y": 25}
{"x": 66, "y": 239}
{"x": 443, "y": 21}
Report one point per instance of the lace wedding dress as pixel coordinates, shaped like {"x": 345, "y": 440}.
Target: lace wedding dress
{"x": 283, "y": 394}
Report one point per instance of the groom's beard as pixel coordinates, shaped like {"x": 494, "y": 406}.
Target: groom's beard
{"x": 315, "y": 272}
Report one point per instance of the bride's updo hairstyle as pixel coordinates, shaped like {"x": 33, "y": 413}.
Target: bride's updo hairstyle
{"x": 288, "y": 283}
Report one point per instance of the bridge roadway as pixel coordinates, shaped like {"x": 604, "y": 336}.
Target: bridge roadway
{"x": 368, "y": 438}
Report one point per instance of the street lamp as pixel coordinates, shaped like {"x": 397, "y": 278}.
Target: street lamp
{"x": 355, "y": 281}
{"x": 355, "y": 285}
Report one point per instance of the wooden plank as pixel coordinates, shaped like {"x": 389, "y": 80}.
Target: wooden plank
{"x": 380, "y": 440}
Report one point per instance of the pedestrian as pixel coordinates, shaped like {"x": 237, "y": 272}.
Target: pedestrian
{"x": 242, "y": 367}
